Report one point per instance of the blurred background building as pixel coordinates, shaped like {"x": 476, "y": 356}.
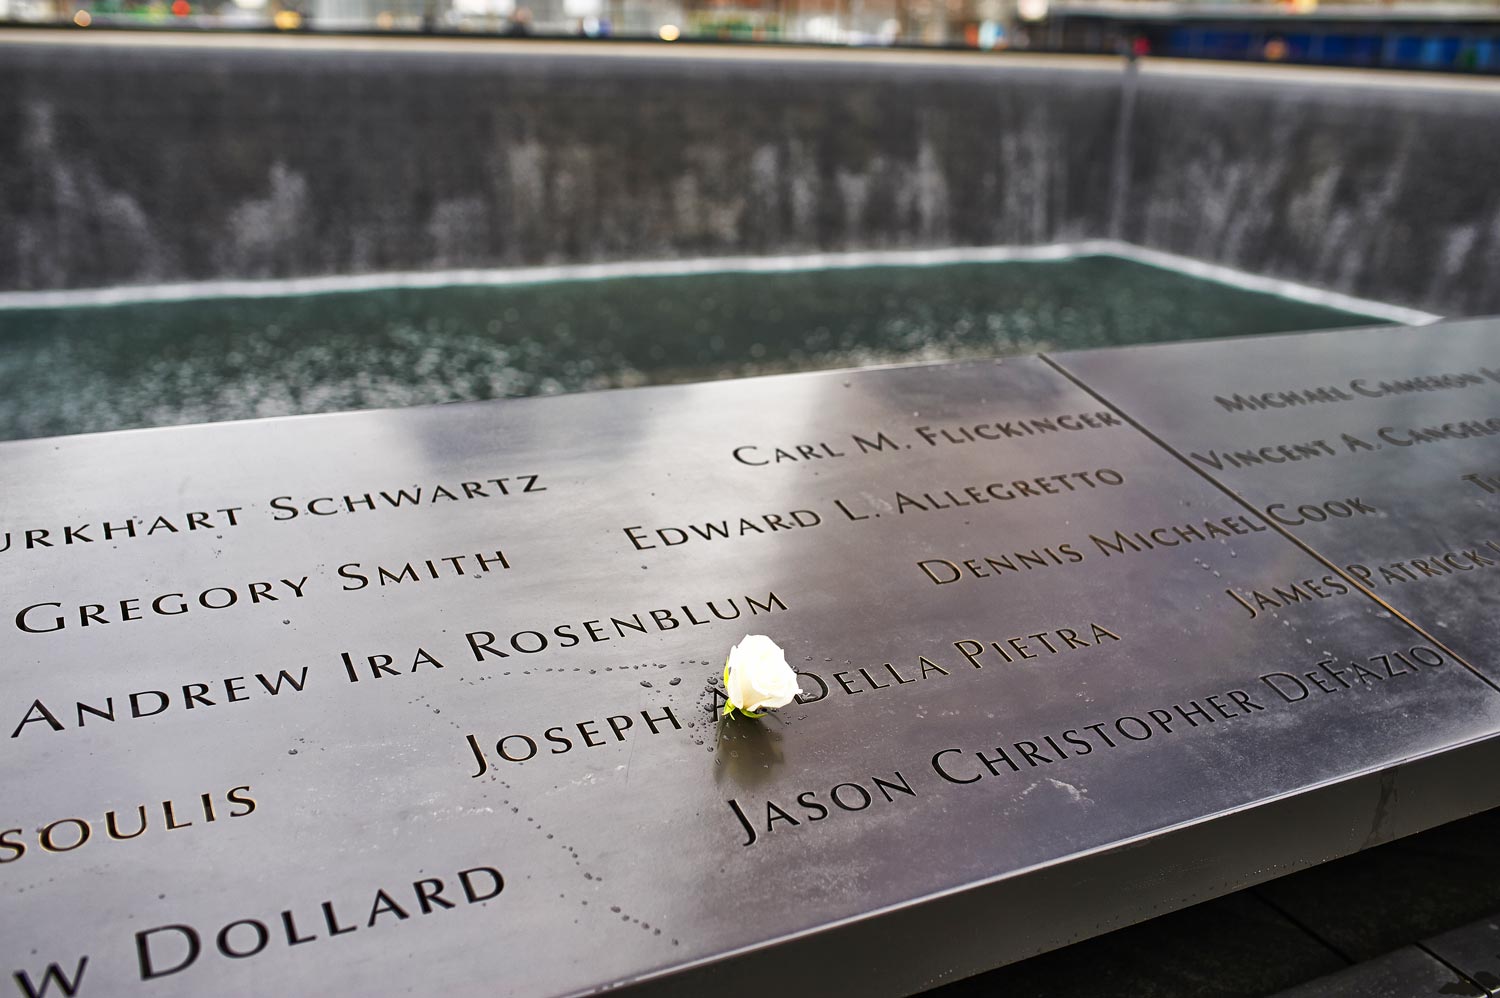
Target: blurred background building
{"x": 1461, "y": 37}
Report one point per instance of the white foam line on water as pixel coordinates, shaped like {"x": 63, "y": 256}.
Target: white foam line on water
{"x": 514, "y": 276}
{"x": 1270, "y": 285}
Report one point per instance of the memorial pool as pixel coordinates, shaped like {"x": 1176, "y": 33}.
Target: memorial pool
{"x": 87, "y": 369}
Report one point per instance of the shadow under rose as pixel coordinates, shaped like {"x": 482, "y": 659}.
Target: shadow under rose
{"x": 747, "y": 750}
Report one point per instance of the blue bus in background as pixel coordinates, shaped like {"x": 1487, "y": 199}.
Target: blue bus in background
{"x": 1443, "y": 37}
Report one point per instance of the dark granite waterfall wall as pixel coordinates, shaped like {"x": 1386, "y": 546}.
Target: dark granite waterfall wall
{"x": 128, "y": 164}
{"x": 1390, "y": 191}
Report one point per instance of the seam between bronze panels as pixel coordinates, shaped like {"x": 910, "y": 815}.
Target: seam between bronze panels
{"x": 1463, "y": 975}
{"x": 1278, "y": 528}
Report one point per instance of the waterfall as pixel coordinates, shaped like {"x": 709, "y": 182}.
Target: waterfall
{"x": 125, "y": 165}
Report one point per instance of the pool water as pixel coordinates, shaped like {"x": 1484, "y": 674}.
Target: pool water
{"x": 80, "y": 370}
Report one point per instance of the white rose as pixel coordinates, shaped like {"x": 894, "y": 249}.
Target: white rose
{"x": 756, "y": 677}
